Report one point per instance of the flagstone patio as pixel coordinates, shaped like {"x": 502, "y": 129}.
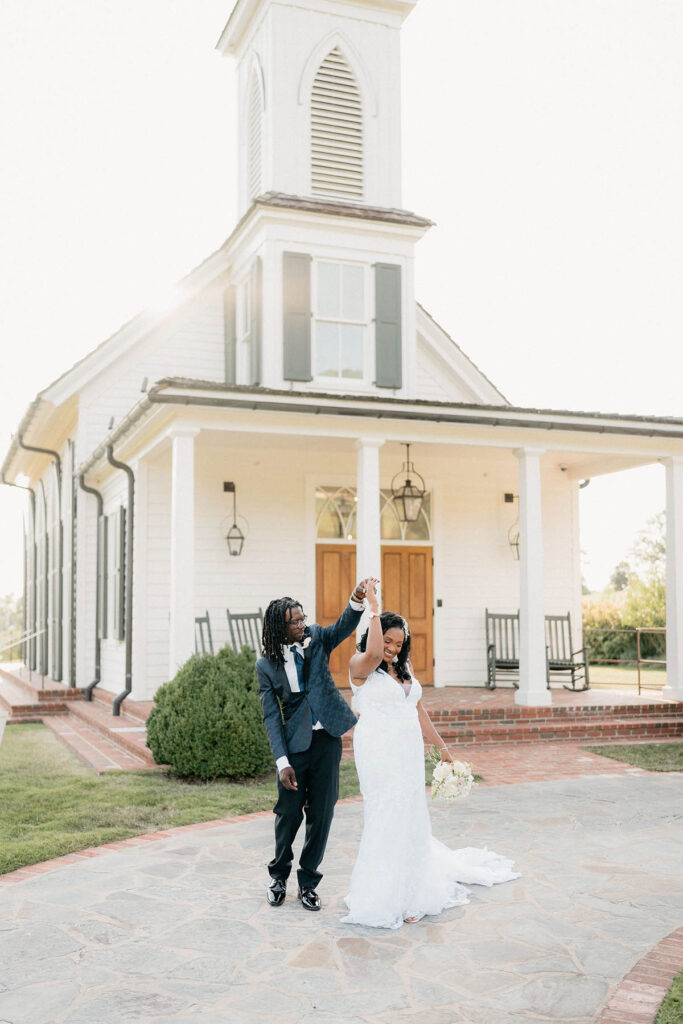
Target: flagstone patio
{"x": 177, "y": 929}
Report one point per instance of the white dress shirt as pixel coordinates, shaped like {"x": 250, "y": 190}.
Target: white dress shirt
{"x": 292, "y": 676}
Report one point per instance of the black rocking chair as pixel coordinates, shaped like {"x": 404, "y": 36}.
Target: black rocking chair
{"x": 202, "y": 634}
{"x": 245, "y": 629}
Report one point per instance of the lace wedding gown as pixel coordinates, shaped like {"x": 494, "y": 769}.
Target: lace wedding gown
{"x": 402, "y": 870}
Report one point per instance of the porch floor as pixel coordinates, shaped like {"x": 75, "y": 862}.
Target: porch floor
{"x": 504, "y": 741}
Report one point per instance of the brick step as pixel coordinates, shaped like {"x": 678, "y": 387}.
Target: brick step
{"x": 479, "y": 716}
{"x": 32, "y": 687}
{"x": 138, "y": 709}
{"x": 606, "y": 728}
{"x": 20, "y": 705}
{"x": 124, "y": 730}
{"x": 99, "y": 752}
{"x": 577, "y": 729}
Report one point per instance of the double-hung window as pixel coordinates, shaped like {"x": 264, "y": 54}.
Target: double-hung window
{"x": 340, "y": 321}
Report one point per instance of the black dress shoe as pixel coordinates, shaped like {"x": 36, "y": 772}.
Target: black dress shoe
{"x": 309, "y": 899}
{"x": 277, "y": 890}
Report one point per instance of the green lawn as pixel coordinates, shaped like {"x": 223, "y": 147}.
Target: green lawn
{"x": 51, "y": 804}
{"x": 606, "y": 676}
{"x": 671, "y": 1010}
{"x": 656, "y": 757}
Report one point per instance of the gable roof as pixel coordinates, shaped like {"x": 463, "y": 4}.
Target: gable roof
{"x": 446, "y": 349}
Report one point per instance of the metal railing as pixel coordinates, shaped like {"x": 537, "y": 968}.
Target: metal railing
{"x": 20, "y": 639}
{"x": 637, "y": 632}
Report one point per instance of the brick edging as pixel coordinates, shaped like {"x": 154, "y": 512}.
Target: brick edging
{"x": 638, "y": 996}
{"x": 80, "y": 856}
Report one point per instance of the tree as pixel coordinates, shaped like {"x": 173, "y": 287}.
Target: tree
{"x": 649, "y": 548}
{"x": 11, "y": 624}
{"x": 621, "y": 577}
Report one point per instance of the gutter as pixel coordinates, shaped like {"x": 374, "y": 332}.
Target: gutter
{"x": 60, "y": 595}
{"x": 98, "y": 565}
{"x": 116, "y": 707}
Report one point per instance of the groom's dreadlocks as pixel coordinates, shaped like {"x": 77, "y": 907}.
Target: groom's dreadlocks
{"x": 275, "y": 627}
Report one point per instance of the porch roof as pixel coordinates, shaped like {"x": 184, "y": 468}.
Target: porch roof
{"x": 181, "y": 393}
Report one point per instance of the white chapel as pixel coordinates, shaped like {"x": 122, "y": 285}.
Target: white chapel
{"x": 249, "y": 443}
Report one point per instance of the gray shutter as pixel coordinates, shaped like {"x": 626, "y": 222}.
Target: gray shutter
{"x": 44, "y": 611}
{"x": 102, "y": 561}
{"x": 388, "y": 348}
{"x": 255, "y": 320}
{"x": 230, "y": 333}
{"x": 53, "y": 601}
{"x": 120, "y": 576}
{"x": 296, "y": 315}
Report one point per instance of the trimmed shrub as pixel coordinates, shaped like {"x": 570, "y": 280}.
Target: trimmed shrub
{"x": 206, "y": 722}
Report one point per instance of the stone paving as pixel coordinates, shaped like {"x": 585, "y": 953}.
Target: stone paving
{"x": 178, "y": 930}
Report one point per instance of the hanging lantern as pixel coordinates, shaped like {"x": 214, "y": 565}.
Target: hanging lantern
{"x": 234, "y": 536}
{"x": 408, "y": 497}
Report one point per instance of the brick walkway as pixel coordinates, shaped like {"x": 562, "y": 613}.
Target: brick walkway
{"x": 639, "y": 996}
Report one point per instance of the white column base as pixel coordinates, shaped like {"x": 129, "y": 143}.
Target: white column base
{"x": 534, "y": 698}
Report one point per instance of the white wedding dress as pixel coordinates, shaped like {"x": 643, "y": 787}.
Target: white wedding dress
{"x": 402, "y": 870}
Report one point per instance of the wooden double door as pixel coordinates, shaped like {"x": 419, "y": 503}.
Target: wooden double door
{"x": 406, "y": 589}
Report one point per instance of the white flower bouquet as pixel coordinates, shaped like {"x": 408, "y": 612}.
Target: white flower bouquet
{"x": 450, "y": 779}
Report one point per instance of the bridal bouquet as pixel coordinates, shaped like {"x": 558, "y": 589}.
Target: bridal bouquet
{"x": 450, "y": 779}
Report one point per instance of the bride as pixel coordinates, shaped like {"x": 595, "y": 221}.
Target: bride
{"x": 402, "y": 871}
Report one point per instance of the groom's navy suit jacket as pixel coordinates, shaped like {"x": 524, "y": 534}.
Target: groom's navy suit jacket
{"x": 289, "y": 717}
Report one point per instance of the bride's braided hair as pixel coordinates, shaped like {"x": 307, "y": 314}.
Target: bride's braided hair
{"x": 275, "y": 627}
{"x": 390, "y": 620}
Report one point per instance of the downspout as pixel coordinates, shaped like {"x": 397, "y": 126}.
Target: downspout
{"x": 98, "y": 643}
{"x": 29, "y": 613}
{"x": 116, "y": 707}
{"x": 60, "y": 596}
{"x": 46, "y": 589}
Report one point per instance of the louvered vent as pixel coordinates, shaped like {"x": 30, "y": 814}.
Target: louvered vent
{"x": 336, "y": 131}
{"x": 255, "y": 140}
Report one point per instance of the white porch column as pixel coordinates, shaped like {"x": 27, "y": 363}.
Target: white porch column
{"x": 532, "y": 690}
{"x": 181, "y": 624}
{"x": 368, "y": 547}
{"x": 674, "y": 578}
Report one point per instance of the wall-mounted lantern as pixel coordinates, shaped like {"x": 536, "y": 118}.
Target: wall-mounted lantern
{"x": 408, "y": 497}
{"x": 513, "y": 532}
{"x": 234, "y": 536}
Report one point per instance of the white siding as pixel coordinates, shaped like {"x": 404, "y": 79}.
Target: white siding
{"x": 474, "y": 568}
{"x": 189, "y": 343}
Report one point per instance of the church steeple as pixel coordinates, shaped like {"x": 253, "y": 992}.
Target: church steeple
{"x": 319, "y": 98}
{"x": 320, "y": 292}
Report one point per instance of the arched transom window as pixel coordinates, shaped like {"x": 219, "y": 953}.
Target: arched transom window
{"x": 335, "y": 509}
{"x": 255, "y": 135}
{"x": 336, "y": 130}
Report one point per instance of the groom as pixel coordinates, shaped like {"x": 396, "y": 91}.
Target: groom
{"x": 305, "y": 717}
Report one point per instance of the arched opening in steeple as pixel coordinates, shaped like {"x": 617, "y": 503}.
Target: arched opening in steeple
{"x": 255, "y": 104}
{"x": 336, "y": 130}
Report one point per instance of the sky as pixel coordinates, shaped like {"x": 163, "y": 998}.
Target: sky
{"x": 544, "y": 139}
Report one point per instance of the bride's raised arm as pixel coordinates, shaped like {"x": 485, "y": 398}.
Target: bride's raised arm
{"x": 365, "y": 662}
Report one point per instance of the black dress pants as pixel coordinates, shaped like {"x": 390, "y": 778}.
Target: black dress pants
{"x": 317, "y": 775}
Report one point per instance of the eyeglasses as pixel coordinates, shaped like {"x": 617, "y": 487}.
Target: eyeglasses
{"x": 296, "y": 622}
